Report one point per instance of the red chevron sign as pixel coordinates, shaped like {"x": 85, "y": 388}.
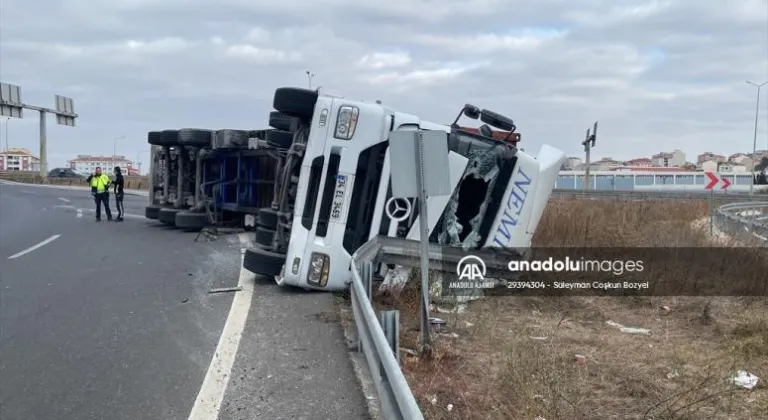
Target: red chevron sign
{"x": 714, "y": 179}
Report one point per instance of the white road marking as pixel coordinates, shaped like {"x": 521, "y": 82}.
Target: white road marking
{"x": 208, "y": 403}
{"x": 63, "y": 199}
{"x": 34, "y": 247}
{"x": 761, "y": 237}
{"x": 125, "y": 215}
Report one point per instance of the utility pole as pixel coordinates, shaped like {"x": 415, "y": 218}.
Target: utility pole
{"x": 588, "y": 143}
{"x": 310, "y": 76}
{"x": 754, "y": 139}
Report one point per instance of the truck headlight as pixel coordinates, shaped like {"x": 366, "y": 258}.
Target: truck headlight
{"x": 346, "y": 122}
{"x": 319, "y": 266}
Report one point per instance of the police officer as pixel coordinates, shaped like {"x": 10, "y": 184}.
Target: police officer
{"x": 119, "y": 183}
{"x": 100, "y": 189}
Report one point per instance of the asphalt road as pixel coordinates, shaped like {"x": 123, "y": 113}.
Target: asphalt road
{"x": 114, "y": 321}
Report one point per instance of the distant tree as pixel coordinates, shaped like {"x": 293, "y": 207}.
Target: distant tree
{"x": 761, "y": 179}
{"x": 762, "y": 166}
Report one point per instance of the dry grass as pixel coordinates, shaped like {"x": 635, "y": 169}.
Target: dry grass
{"x": 515, "y": 357}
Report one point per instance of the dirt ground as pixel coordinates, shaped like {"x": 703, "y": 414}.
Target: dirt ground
{"x": 561, "y": 358}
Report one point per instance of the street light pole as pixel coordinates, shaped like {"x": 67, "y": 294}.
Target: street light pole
{"x": 114, "y": 150}
{"x": 754, "y": 139}
{"x": 7, "y": 120}
{"x": 310, "y": 76}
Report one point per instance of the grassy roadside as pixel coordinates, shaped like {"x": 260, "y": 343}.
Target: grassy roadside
{"x": 556, "y": 358}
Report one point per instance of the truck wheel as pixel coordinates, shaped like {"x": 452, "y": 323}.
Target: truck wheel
{"x": 283, "y": 122}
{"x": 280, "y": 139}
{"x": 195, "y": 137}
{"x": 268, "y": 218}
{"x": 191, "y": 221}
{"x": 168, "y": 216}
{"x": 264, "y": 236}
{"x": 260, "y": 261}
{"x": 295, "y": 101}
{"x": 169, "y": 137}
{"x": 155, "y": 138}
{"x": 151, "y": 212}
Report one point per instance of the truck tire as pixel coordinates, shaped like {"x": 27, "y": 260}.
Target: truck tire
{"x": 168, "y": 216}
{"x": 260, "y": 261}
{"x": 264, "y": 236}
{"x": 151, "y": 212}
{"x": 195, "y": 137}
{"x": 169, "y": 137}
{"x": 283, "y": 122}
{"x": 268, "y": 218}
{"x": 280, "y": 139}
{"x": 191, "y": 221}
{"x": 155, "y": 138}
{"x": 295, "y": 101}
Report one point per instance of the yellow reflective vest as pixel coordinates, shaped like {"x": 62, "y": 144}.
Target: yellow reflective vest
{"x": 99, "y": 183}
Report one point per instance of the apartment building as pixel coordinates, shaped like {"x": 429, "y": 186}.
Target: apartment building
{"x": 19, "y": 159}
{"x": 86, "y": 164}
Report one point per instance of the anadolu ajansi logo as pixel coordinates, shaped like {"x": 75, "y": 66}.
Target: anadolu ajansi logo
{"x": 471, "y": 267}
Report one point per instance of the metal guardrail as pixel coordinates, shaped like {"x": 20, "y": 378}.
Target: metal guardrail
{"x": 381, "y": 349}
{"x": 378, "y": 338}
{"x": 745, "y": 221}
{"x": 654, "y": 195}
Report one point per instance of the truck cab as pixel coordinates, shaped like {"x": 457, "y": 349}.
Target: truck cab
{"x": 334, "y": 182}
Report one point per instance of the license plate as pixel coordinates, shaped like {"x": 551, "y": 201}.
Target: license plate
{"x": 338, "y": 197}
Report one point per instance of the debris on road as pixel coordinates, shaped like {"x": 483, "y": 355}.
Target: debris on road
{"x": 226, "y": 289}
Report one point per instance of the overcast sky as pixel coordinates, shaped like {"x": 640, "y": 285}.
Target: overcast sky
{"x": 658, "y": 75}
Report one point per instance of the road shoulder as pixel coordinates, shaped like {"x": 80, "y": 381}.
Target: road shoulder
{"x": 293, "y": 361}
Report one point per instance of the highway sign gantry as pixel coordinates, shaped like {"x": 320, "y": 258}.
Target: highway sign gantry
{"x": 714, "y": 179}
{"x": 12, "y": 106}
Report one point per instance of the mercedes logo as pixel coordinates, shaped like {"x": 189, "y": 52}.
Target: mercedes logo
{"x": 398, "y": 209}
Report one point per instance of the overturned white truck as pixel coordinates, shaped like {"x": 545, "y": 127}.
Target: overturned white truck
{"x": 334, "y": 181}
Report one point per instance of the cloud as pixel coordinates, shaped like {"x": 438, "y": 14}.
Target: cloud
{"x": 657, "y": 74}
{"x": 381, "y": 60}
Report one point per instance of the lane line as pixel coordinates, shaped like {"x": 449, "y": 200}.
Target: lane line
{"x": 63, "y": 199}
{"x": 125, "y": 215}
{"x": 208, "y": 403}
{"x": 759, "y": 236}
{"x": 34, "y": 247}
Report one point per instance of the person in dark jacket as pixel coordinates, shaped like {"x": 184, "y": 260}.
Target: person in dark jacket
{"x": 119, "y": 183}
{"x": 99, "y": 183}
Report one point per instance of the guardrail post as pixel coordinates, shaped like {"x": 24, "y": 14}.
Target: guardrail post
{"x": 390, "y": 324}
{"x": 366, "y": 274}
